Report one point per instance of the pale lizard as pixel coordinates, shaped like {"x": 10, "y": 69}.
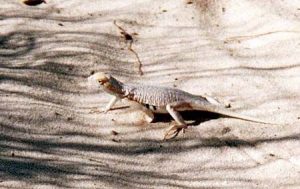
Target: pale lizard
{"x": 154, "y": 99}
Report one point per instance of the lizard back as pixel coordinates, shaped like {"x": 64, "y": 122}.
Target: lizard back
{"x": 157, "y": 96}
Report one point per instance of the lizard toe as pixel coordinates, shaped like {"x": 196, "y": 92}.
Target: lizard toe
{"x": 149, "y": 119}
{"x": 174, "y": 131}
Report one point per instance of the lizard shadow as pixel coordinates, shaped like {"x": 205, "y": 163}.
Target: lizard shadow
{"x": 195, "y": 116}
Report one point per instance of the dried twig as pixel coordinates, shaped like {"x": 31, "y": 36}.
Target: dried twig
{"x": 129, "y": 38}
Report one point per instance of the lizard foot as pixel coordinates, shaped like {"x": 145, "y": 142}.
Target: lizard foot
{"x": 174, "y": 131}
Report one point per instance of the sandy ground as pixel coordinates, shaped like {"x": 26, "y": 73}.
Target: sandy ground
{"x": 245, "y": 52}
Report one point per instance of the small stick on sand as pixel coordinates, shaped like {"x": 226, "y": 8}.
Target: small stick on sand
{"x": 129, "y": 37}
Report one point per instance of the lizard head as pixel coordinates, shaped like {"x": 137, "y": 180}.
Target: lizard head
{"x": 106, "y": 82}
{"x": 102, "y": 78}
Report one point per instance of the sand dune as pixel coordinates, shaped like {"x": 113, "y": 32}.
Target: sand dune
{"x": 240, "y": 51}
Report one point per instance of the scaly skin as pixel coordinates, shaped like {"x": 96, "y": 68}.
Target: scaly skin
{"x": 162, "y": 100}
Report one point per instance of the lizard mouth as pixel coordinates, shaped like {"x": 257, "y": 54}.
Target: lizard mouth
{"x": 102, "y": 82}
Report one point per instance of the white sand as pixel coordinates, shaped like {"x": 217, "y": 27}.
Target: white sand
{"x": 245, "y": 52}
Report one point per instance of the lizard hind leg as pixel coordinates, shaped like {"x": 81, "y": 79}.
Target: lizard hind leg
{"x": 148, "y": 114}
{"x": 173, "y": 131}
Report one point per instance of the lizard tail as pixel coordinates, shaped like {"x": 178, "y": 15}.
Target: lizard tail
{"x": 226, "y": 112}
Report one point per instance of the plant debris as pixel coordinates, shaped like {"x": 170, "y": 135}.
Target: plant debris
{"x": 129, "y": 38}
{"x": 116, "y": 140}
{"x": 113, "y": 132}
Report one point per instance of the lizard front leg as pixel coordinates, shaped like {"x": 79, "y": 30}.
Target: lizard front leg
{"x": 111, "y": 103}
{"x": 174, "y": 130}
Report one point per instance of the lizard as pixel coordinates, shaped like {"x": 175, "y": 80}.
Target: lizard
{"x": 157, "y": 99}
